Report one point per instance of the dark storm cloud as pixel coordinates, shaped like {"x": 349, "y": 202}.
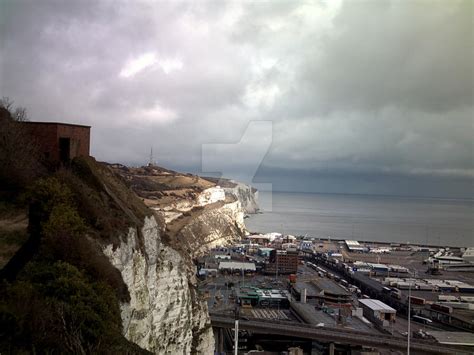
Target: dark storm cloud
{"x": 376, "y": 88}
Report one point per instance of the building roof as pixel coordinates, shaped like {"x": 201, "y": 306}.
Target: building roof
{"x": 377, "y": 305}
{"x": 311, "y": 290}
{"x": 330, "y": 287}
{"x": 289, "y": 251}
{"x": 255, "y": 292}
{"x": 453, "y": 338}
{"x": 354, "y": 245}
{"x": 276, "y": 294}
{"x": 318, "y": 317}
{"x": 234, "y": 265}
{"x": 379, "y": 266}
{"x": 258, "y": 236}
{"x": 56, "y": 123}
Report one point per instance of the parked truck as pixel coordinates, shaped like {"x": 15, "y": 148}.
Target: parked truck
{"x": 417, "y": 300}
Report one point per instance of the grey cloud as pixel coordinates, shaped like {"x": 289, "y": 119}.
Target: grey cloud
{"x": 411, "y": 55}
{"x": 382, "y": 88}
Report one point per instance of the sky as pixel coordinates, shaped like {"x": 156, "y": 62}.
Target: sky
{"x": 371, "y": 97}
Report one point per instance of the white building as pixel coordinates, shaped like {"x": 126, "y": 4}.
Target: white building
{"x": 353, "y": 245}
{"x": 306, "y": 244}
{"x": 378, "y": 312}
{"x": 468, "y": 255}
{"x": 236, "y": 266}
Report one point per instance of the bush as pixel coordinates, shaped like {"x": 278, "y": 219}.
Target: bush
{"x": 63, "y": 219}
{"x": 55, "y": 307}
{"x": 55, "y": 219}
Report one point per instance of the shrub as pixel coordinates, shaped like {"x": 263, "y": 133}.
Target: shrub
{"x": 63, "y": 219}
{"x": 55, "y": 307}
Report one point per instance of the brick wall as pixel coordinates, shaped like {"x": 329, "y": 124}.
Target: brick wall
{"x": 80, "y": 139}
{"x": 47, "y": 135}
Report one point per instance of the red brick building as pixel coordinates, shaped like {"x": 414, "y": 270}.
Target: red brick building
{"x": 285, "y": 260}
{"x": 60, "y": 142}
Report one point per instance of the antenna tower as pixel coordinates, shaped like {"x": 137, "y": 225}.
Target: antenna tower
{"x": 151, "y": 162}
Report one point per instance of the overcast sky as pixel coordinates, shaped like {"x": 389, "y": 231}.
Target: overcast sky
{"x": 356, "y": 97}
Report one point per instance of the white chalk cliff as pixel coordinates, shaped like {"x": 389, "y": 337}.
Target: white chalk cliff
{"x": 165, "y": 314}
{"x": 246, "y": 194}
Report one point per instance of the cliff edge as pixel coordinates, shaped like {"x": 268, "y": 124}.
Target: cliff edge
{"x": 126, "y": 239}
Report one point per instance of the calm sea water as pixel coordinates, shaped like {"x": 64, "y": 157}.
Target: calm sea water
{"x": 372, "y": 218}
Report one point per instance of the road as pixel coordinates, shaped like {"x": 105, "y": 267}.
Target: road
{"x": 336, "y": 335}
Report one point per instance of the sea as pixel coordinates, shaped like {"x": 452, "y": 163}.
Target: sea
{"x": 426, "y": 221}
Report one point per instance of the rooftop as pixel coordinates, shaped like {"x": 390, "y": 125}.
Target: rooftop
{"x": 315, "y": 286}
{"x": 377, "y": 305}
{"x": 255, "y": 292}
{"x": 258, "y": 236}
{"x": 235, "y": 265}
{"x": 453, "y": 338}
{"x": 56, "y": 123}
{"x": 319, "y": 317}
{"x": 330, "y": 287}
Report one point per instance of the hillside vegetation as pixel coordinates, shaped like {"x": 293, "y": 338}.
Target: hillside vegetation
{"x": 58, "y": 291}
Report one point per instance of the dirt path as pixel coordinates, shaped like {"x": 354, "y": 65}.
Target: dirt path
{"x": 13, "y": 233}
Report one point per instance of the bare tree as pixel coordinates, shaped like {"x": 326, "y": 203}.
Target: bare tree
{"x": 20, "y": 160}
{"x": 18, "y": 114}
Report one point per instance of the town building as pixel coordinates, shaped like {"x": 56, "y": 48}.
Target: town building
{"x": 261, "y": 239}
{"x": 306, "y": 245}
{"x": 60, "y": 142}
{"x": 468, "y": 255}
{"x": 354, "y": 246}
{"x": 320, "y": 291}
{"x": 235, "y": 266}
{"x": 378, "y": 312}
{"x": 265, "y": 252}
{"x": 256, "y": 297}
{"x": 285, "y": 261}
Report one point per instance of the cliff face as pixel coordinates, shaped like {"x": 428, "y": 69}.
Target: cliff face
{"x": 221, "y": 225}
{"x": 197, "y": 213}
{"x": 247, "y": 195}
{"x": 165, "y": 314}
{"x": 138, "y": 242}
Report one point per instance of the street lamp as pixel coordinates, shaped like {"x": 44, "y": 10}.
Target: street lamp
{"x": 409, "y": 313}
{"x": 236, "y": 334}
{"x": 409, "y": 317}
